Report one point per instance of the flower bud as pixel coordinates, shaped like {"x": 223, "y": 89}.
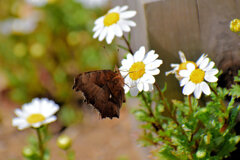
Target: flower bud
{"x": 201, "y": 154}
{"x": 160, "y": 108}
{"x": 207, "y": 138}
{"x": 37, "y": 50}
{"x": 64, "y": 142}
{"x": 235, "y": 25}
{"x": 140, "y": 115}
{"x": 27, "y": 152}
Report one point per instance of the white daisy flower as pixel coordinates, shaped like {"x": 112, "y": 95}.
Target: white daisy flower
{"x": 138, "y": 70}
{"x": 193, "y": 77}
{"x": 114, "y": 23}
{"x": 178, "y": 67}
{"x": 35, "y": 114}
{"x": 19, "y": 25}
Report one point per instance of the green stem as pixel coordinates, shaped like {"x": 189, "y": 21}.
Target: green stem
{"x": 190, "y": 103}
{"x": 128, "y": 44}
{"x": 69, "y": 156}
{"x": 221, "y": 101}
{"x": 156, "y": 126}
{"x": 167, "y": 108}
{"x": 40, "y": 143}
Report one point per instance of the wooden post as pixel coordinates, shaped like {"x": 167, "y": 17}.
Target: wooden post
{"x": 193, "y": 26}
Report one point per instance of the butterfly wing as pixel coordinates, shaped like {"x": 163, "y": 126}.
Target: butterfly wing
{"x": 95, "y": 87}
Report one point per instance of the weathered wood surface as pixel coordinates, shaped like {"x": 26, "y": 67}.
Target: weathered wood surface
{"x": 139, "y": 33}
{"x": 193, "y": 26}
{"x": 217, "y": 40}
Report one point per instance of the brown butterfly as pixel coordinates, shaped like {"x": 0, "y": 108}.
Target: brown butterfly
{"x": 103, "y": 89}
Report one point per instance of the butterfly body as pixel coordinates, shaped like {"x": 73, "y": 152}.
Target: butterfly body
{"x": 103, "y": 89}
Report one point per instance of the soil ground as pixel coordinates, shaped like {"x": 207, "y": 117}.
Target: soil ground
{"x": 93, "y": 139}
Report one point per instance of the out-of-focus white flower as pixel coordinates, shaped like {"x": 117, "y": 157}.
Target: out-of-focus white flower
{"x": 193, "y": 77}
{"x": 19, "y": 25}
{"x": 35, "y": 114}
{"x": 139, "y": 70}
{"x": 114, "y": 23}
{"x": 178, "y": 67}
{"x": 37, "y": 3}
{"x": 93, "y": 3}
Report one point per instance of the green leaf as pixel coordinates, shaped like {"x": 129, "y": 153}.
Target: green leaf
{"x": 235, "y": 91}
{"x": 166, "y": 154}
{"x": 233, "y": 116}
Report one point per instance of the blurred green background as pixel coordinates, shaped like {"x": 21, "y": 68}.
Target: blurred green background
{"x": 44, "y": 44}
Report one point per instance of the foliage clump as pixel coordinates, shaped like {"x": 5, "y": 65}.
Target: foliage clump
{"x": 190, "y": 129}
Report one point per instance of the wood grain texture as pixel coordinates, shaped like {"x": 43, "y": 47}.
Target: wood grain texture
{"x": 238, "y": 8}
{"x": 172, "y": 25}
{"x": 222, "y": 45}
{"x": 193, "y": 26}
{"x": 139, "y": 33}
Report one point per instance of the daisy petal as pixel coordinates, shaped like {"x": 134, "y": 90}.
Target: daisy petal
{"x": 174, "y": 65}
{"x": 170, "y": 72}
{"x": 139, "y": 55}
{"x": 97, "y": 27}
{"x": 97, "y": 33}
{"x": 154, "y": 64}
{"x": 140, "y": 87}
{"x": 19, "y": 113}
{"x": 210, "y": 66}
{"x": 197, "y": 91}
{"x": 134, "y": 91}
{"x": 199, "y": 61}
{"x": 146, "y": 87}
{"x": 103, "y": 34}
{"x": 184, "y": 81}
{"x": 153, "y": 72}
{"x": 204, "y": 63}
{"x": 210, "y": 78}
{"x": 128, "y": 14}
{"x": 99, "y": 20}
{"x": 150, "y": 87}
{"x": 124, "y": 26}
{"x": 190, "y": 67}
{"x": 182, "y": 56}
{"x": 18, "y": 121}
{"x": 126, "y": 89}
{"x": 50, "y": 119}
{"x": 130, "y": 58}
{"x": 37, "y": 125}
{"x": 130, "y": 23}
{"x": 205, "y": 88}
{"x": 123, "y": 8}
{"x": 110, "y": 36}
{"x": 127, "y": 63}
{"x": 189, "y": 88}
{"x": 115, "y": 9}
{"x": 148, "y": 78}
{"x": 212, "y": 72}
{"x": 117, "y": 30}
{"x": 184, "y": 73}
{"x": 150, "y": 57}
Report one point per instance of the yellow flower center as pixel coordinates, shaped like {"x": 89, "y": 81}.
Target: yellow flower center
{"x": 35, "y": 118}
{"x": 137, "y": 70}
{"x": 111, "y": 18}
{"x": 235, "y": 25}
{"x": 183, "y": 66}
{"x": 197, "y": 76}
